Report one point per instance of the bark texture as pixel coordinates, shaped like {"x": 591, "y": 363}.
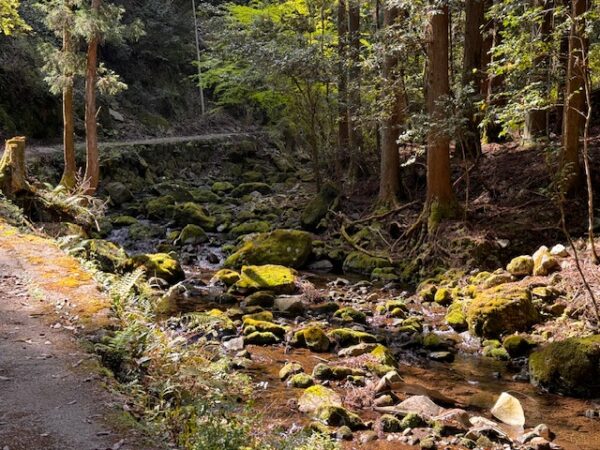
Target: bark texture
{"x": 343, "y": 138}
{"x": 68, "y": 179}
{"x": 12, "y": 168}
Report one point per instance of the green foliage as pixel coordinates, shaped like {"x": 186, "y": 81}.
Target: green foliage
{"x": 10, "y": 20}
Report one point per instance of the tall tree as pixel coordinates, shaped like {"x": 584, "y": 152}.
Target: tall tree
{"x": 68, "y": 179}
{"x": 536, "y": 119}
{"x": 574, "y": 97}
{"x": 92, "y": 167}
{"x": 354, "y": 75}
{"x": 394, "y": 110}
{"x": 343, "y": 137}
{"x": 441, "y": 202}
{"x": 472, "y": 75}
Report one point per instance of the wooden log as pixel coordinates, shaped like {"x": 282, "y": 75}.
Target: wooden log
{"x": 12, "y": 168}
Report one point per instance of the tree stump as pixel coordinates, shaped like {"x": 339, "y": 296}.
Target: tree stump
{"x": 12, "y": 168}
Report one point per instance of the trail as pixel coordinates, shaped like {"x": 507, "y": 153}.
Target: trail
{"x": 41, "y": 150}
{"x": 52, "y": 393}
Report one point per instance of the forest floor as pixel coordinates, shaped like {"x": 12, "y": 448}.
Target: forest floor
{"x": 52, "y": 393}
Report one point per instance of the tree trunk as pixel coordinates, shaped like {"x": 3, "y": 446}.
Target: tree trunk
{"x": 70, "y": 169}
{"x": 343, "y": 137}
{"x": 389, "y": 185}
{"x": 92, "y": 169}
{"x": 354, "y": 95}
{"x": 536, "y": 120}
{"x": 440, "y": 197}
{"x": 472, "y": 75}
{"x": 574, "y": 99}
{"x": 12, "y": 168}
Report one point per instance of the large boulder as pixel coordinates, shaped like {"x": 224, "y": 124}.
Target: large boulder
{"x": 501, "y": 310}
{"x": 283, "y": 247}
{"x": 192, "y": 235}
{"x": 160, "y": 265}
{"x": 108, "y": 256}
{"x": 520, "y": 266}
{"x": 318, "y": 207}
{"x": 359, "y": 262}
{"x": 118, "y": 193}
{"x": 316, "y": 397}
{"x": 269, "y": 277}
{"x": 570, "y": 367}
{"x": 192, "y": 213}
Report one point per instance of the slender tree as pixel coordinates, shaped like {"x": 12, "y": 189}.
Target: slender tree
{"x": 394, "y": 114}
{"x": 573, "y": 118}
{"x": 440, "y": 196}
{"x": 472, "y": 75}
{"x": 92, "y": 167}
{"x": 355, "y": 138}
{"x": 68, "y": 179}
{"x": 343, "y": 137}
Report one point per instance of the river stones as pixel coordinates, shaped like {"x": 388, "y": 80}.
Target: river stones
{"x": 508, "y": 410}
{"x": 421, "y": 405}
{"x": 290, "y": 369}
{"x": 313, "y": 338}
{"x": 520, "y": 266}
{"x": 544, "y": 262}
{"x": 300, "y": 380}
{"x": 316, "y": 396}
{"x": 160, "y": 265}
{"x": 269, "y": 277}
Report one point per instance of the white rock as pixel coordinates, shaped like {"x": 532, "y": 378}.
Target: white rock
{"x": 509, "y": 410}
{"x": 421, "y": 405}
{"x": 559, "y": 250}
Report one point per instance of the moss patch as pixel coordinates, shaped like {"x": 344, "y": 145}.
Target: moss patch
{"x": 270, "y": 277}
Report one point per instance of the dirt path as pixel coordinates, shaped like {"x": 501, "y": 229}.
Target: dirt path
{"x": 52, "y": 396}
{"x": 208, "y": 138}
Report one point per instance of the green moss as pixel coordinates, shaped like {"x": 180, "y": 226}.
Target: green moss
{"x": 498, "y": 353}
{"x": 192, "y": 235}
{"x": 191, "y": 213}
{"x": 456, "y": 318}
{"x": 358, "y": 262}
{"x": 432, "y": 341}
{"x": 325, "y": 372}
{"x": 501, "y": 310}
{"x": 108, "y": 256}
{"x": 260, "y": 338}
{"x": 411, "y": 325}
{"x": 160, "y": 265}
{"x": 318, "y": 207}
{"x": 204, "y": 196}
{"x": 517, "y": 346}
{"x": 270, "y": 277}
{"x": 143, "y": 232}
{"x": 250, "y": 227}
{"x": 443, "y": 296}
{"x": 260, "y": 298}
{"x": 413, "y": 420}
{"x": 285, "y": 247}
{"x": 345, "y": 337}
{"x": 161, "y": 207}
{"x": 290, "y": 369}
{"x": 349, "y": 314}
{"x": 226, "y": 276}
{"x": 569, "y": 367}
{"x": 301, "y": 380}
{"x": 338, "y": 416}
{"x": 252, "y": 325}
{"x": 222, "y": 186}
{"x": 123, "y": 221}
{"x": 427, "y": 292}
{"x": 389, "y": 424}
{"x": 247, "y": 188}
{"x": 383, "y": 355}
{"x": 520, "y": 266}
{"x": 313, "y": 337}
{"x": 262, "y": 315}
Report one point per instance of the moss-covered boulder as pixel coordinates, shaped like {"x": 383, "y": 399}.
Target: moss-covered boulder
{"x": 252, "y": 325}
{"x": 261, "y": 338}
{"x": 520, "y": 266}
{"x": 161, "y": 207}
{"x": 192, "y": 213}
{"x": 313, "y": 338}
{"x": 326, "y": 372}
{"x": 570, "y": 367}
{"x": 359, "y": 262}
{"x": 501, "y": 310}
{"x": 108, "y": 256}
{"x": 517, "y": 346}
{"x": 219, "y": 187}
{"x": 284, "y": 247}
{"x": 456, "y": 317}
{"x": 118, "y": 193}
{"x": 204, "y": 196}
{"x": 349, "y": 314}
{"x": 264, "y": 299}
{"x": 192, "y": 235}
{"x": 345, "y": 337}
{"x": 160, "y": 265}
{"x": 317, "y": 396}
{"x": 318, "y": 207}
{"x": 443, "y": 296}
{"x": 179, "y": 192}
{"x": 300, "y": 380}
{"x": 270, "y": 277}
{"x": 248, "y": 188}
{"x": 123, "y": 221}
{"x": 226, "y": 276}
{"x": 290, "y": 369}
{"x": 383, "y": 355}
{"x": 337, "y": 416}
{"x": 258, "y": 226}
{"x": 544, "y": 262}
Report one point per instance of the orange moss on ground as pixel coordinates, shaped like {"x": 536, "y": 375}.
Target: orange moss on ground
{"x": 57, "y": 275}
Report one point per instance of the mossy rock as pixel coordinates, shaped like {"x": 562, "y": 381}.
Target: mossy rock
{"x": 204, "y": 196}
{"x": 160, "y": 265}
{"x": 301, "y": 380}
{"x": 456, "y": 317}
{"x": 313, "y": 338}
{"x": 413, "y": 420}
{"x": 317, "y": 396}
{"x": 345, "y": 337}
{"x": 252, "y": 325}
{"x": 385, "y": 275}
{"x": 427, "y": 292}
{"x": 570, "y": 367}
{"x": 443, "y": 296}
{"x": 219, "y": 187}
{"x": 517, "y": 346}
{"x": 498, "y": 353}
{"x": 283, "y": 247}
{"x": 358, "y": 262}
{"x": 501, "y": 310}
{"x": 261, "y": 315}
{"x": 226, "y": 276}
{"x": 192, "y": 235}
{"x": 123, "y": 221}
{"x": 411, "y": 325}
{"x": 118, "y": 193}
{"x": 108, "y": 256}
{"x": 179, "y": 192}
{"x": 290, "y": 369}
{"x": 338, "y": 416}
{"x": 349, "y": 314}
{"x": 270, "y": 277}
{"x": 264, "y": 299}
{"x": 520, "y": 266}
{"x": 318, "y": 207}
{"x": 161, "y": 207}
{"x": 213, "y": 322}
{"x": 389, "y": 424}
{"x": 544, "y": 262}
{"x": 261, "y": 338}
{"x": 251, "y": 227}
{"x": 247, "y": 188}
{"x": 144, "y": 232}
{"x": 383, "y": 355}
{"x": 192, "y": 213}
{"x": 326, "y": 372}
